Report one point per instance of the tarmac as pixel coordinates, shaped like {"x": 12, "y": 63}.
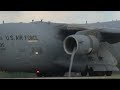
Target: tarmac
{"x": 114, "y": 76}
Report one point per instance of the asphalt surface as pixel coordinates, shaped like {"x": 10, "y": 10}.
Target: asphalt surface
{"x": 114, "y": 76}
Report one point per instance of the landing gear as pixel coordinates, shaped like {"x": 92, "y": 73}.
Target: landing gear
{"x": 96, "y": 73}
{"x": 91, "y": 72}
{"x": 108, "y": 73}
{"x": 84, "y": 73}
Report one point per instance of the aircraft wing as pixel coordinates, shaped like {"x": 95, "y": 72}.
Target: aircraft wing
{"x": 110, "y": 30}
{"x": 80, "y": 27}
{"x": 75, "y": 27}
{"x": 111, "y": 35}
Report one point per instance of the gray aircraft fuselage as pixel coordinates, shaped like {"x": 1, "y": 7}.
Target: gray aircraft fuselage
{"x": 30, "y": 46}
{"x": 27, "y": 47}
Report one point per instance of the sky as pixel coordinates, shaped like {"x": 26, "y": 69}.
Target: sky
{"x": 60, "y": 16}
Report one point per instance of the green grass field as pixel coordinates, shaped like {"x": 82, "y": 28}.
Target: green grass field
{"x": 17, "y": 75}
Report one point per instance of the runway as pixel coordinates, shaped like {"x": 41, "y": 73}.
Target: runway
{"x": 114, "y": 76}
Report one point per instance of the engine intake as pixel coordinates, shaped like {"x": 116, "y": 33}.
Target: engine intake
{"x": 83, "y": 44}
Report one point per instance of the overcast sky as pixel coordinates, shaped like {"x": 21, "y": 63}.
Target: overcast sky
{"x": 60, "y": 16}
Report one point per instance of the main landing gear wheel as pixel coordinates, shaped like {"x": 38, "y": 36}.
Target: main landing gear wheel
{"x": 84, "y": 73}
{"x": 97, "y": 73}
{"x": 108, "y": 73}
{"x": 91, "y": 72}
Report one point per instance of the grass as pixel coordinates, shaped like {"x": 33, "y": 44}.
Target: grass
{"x": 17, "y": 75}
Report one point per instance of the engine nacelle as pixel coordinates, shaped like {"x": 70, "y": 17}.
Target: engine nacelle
{"x": 83, "y": 44}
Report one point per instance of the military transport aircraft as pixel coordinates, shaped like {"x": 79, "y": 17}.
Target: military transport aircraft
{"x": 52, "y": 49}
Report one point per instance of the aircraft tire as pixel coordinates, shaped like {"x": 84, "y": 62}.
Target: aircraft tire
{"x": 91, "y": 72}
{"x": 108, "y": 73}
{"x": 83, "y": 73}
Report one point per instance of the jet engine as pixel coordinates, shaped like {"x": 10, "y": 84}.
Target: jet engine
{"x": 83, "y": 44}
